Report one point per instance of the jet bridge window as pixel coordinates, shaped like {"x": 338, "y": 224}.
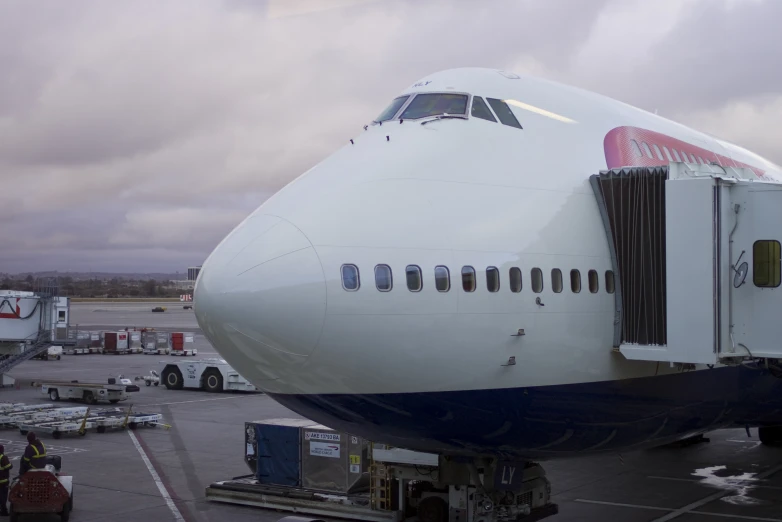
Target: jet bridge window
{"x": 481, "y": 110}
{"x": 414, "y": 279}
{"x": 766, "y": 262}
{"x": 492, "y": 279}
{"x": 434, "y": 104}
{"x": 350, "y": 280}
{"x": 468, "y": 279}
{"x": 504, "y": 113}
{"x": 393, "y": 108}
{"x": 383, "y": 279}
{"x": 442, "y": 278}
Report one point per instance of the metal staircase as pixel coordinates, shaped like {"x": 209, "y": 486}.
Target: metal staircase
{"x": 42, "y": 343}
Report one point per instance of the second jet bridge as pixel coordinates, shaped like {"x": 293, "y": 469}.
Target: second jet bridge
{"x": 696, "y": 250}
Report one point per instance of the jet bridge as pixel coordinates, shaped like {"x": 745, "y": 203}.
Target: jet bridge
{"x": 696, "y": 250}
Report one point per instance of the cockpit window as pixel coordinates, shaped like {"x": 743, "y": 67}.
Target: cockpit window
{"x": 435, "y": 104}
{"x": 504, "y": 113}
{"x": 481, "y": 110}
{"x": 393, "y": 108}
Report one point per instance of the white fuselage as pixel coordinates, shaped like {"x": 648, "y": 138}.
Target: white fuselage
{"x": 454, "y": 193}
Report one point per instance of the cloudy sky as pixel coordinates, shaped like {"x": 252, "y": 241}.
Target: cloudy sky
{"x": 134, "y": 135}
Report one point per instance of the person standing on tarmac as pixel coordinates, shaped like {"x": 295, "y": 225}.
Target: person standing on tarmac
{"x": 34, "y": 454}
{"x": 5, "y": 475}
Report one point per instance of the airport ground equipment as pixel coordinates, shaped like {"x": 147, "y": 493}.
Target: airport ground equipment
{"x": 42, "y": 491}
{"x": 54, "y": 353}
{"x": 214, "y": 375}
{"x": 182, "y": 344}
{"x": 124, "y": 381}
{"x": 306, "y": 468}
{"x": 47, "y": 418}
{"x": 30, "y": 322}
{"x": 696, "y": 249}
{"x": 152, "y": 378}
{"x": 90, "y": 393}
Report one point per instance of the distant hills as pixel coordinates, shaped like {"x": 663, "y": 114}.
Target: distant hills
{"x": 137, "y": 276}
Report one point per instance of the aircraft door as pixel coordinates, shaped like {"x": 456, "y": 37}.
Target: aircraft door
{"x": 756, "y": 271}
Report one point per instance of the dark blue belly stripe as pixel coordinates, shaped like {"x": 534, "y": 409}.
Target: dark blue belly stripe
{"x": 559, "y": 421}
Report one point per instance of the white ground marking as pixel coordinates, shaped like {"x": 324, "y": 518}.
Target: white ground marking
{"x": 161, "y": 487}
{"x": 655, "y": 508}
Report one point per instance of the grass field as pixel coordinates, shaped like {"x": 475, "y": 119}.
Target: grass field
{"x": 125, "y": 300}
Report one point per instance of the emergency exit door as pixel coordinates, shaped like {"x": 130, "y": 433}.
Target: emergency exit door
{"x": 756, "y": 270}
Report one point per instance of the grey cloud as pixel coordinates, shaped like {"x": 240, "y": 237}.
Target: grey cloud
{"x": 154, "y": 127}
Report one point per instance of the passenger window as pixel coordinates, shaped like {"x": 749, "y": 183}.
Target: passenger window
{"x": 442, "y": 278}
{"x": 468, "y": 279}
{"x": 594, "y": 284}
{"x": 492, "y": 279}
{"x": 766, "y": 263}
{"x": 503, "y": 112}
{"x": 537, "y": 280}
{"x": 657, "y": 151}
{"x": 350, "y": 281}
{"x": 556, "y": 280}
{"x": 515, "y": 279}
{"x": 676, "y": 154}
{"x": 414, "y": 278}
{"x": 481, "y": 110}
{"x": 383, "y": 278}
{"x": 575, "y": 281}
{"x": 609, "y": 281}
{"x": 636, "y": 148}
{"x": 667, "y": 153}
{"x": 646, "y": 149}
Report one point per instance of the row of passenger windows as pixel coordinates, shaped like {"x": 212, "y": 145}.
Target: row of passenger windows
{"x": 648, "y": 152}
{"x": 384, "y": 280}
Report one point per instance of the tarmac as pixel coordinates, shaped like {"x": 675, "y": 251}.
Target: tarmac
{"x": 161, "y": 474}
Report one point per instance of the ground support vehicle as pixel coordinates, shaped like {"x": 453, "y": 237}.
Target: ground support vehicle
{"x": 42, "y": 491}
{"x": 88, "y": 392}
{"x": 152, "y": 378}
{"x": 214, "y": 375}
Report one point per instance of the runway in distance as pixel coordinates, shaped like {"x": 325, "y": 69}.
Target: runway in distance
{"x": 383, "y": 291}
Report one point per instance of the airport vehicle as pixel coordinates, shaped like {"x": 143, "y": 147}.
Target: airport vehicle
{"x": 124, "y": 381}
{"x": 503, "y": 267}
{"x": 152, "y": 378}
{"x": 88, "y": 392}
{"x": 42, "y": 491}
{"x": 54, "y": 353}
{"x": 214, "y": 375}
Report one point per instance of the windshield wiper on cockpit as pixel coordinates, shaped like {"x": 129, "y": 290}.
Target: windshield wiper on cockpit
{"x": 444, "y": 116}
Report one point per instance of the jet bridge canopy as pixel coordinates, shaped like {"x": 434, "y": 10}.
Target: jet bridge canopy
{"x": 696, "y": 250}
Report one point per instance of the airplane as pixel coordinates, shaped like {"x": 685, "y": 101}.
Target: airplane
{"x": 409, "y": 288}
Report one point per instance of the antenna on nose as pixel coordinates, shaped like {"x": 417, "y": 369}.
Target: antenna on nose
{"x": 351, "y": 142}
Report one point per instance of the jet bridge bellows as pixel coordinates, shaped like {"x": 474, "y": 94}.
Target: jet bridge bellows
{"x": 697, "y": 257}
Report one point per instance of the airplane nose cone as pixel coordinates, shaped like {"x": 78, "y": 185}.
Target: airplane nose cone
{"x": 260, "y": 298}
